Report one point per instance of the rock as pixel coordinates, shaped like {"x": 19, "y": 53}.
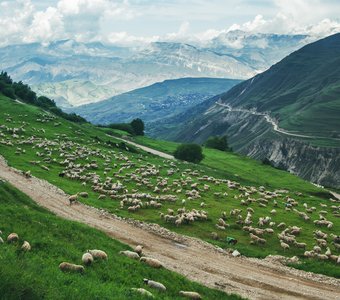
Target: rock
{"x": 236, "y": 253}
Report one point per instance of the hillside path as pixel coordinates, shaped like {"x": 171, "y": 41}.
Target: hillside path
{"x": 145, "y": 148}
{"x": 197, "y": 260}
{"x": 272, "y": 122}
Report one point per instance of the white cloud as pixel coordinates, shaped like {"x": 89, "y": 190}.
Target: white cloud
{"x": 144, "y": 21}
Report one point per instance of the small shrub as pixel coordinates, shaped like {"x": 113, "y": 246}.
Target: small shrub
{"x": 189, "y": 152}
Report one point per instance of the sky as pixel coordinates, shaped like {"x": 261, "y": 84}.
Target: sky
{"x": 143, "y": 21}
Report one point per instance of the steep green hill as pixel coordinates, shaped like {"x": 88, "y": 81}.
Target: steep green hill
{"x": 301, "y": 95}
{"x": 302, "y": 91}
{"x": 84, "y": 158}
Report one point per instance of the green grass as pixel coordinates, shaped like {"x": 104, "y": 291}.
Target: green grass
{"x": 217, "y": 164}
{"x": 35, "y": 274}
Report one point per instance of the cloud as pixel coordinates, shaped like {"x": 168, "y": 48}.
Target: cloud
{"x": 145, "y": 21}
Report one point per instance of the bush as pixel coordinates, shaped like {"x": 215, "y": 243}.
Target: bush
{"x": 219, "y": 143}
{"x": 138, "y": 126}
{"x": 9, "y": 92}
{"x": 189, "y": 152}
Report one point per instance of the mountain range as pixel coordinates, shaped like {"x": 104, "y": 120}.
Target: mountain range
{"x": 156, "y": 103}
{"x": 288, "y": 115}
{"x": 74, "y": 73}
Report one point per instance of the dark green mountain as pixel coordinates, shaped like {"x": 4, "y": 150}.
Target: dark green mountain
{"x": 156, "y": 103}
{"x": 301, "y": 94}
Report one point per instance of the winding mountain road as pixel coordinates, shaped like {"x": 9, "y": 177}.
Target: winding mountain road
{"x": 145, "y": 148}
{"x": 197, "y": 260}
{"x": 272, "y": 122}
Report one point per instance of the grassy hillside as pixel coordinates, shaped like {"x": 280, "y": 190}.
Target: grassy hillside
{"x": 302, "y": 91}
{"x": 35, "y": 274}
{"x": 64, "y": 147}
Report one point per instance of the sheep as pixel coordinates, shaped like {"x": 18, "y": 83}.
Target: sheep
{"x": 98, "y": 254}
{"x": 328, "y": 252}
{"x": 65, "y": 266}
{"x": 1, "y": 240}
{"x": 143, "y": 292}
{"x": 322, "y": 256}
{"x": 130, "y": 254}
{"x": 87, "y": 259}
{"x": 154, "y": 284}
{"x": 300, "y": 245}
{"x": 308, "y": 254}
{"x": 139, "y": 250}
{"x": 281, "y": 225}
{"x": 12, "y": 238}
{"x": 284, "y": 245}
{"x": 73, "y": 198}
{"x": 26, "y": 246}
{"x": 152, "y": 262}
{"x": 190, "y": 295}
{"x": 317, "y": 249}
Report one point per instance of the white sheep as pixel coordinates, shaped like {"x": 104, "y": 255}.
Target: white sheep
{"x": 139, "y": 250}
{"x": 152, "y": 262}
{"x": 190, "y": 295}
{"x": 87, "y": 259}
{"x": 26, "y": 246}
{"x": 143, "y": 292}
{"x": 154, "y": 284}
{"x": 12, "y": 238}
{"x": 1, "y": 240}
{"x": 130, "y": 254}
{"x": 98, "y": 254}
{"x": 284, "y": 245}
{"x": 65, "y": 266}
{"x": 73, "y": 198}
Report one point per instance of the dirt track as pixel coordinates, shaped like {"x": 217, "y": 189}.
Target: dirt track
{"x": 198, "y": 261}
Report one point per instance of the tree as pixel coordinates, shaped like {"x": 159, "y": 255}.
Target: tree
{"x": 138, "y": 126}
{"x": 189, "y": 152}
{"x": 219, "y": 143}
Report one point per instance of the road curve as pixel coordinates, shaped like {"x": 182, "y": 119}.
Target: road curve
{"x": 272, "y": 122}
{"x": 145, "y": 148}
{"x": 197, "y": 260}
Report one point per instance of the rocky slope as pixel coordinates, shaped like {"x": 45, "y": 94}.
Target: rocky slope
{"x": 300, "y": 95}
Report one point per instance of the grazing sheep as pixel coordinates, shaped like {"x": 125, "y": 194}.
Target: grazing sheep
{"x": 284, "y": 245}
{"x": 130, "y": 254}
{"x": 143, "y": 292}
{"x": 300, "y": 245}
{"x": 154, "y": 284}
{"x": 152, "y": 262}
{"x": 98, "y": 254}
{"x": 26, "y": 246}
{"x": 317, "y": 249}
{"x": 87, "y": 259}
{"x": 73, "y": 198}
{"x": 12, "y": 238}
{"x": 281, "y": 225}
{"x": 1, "y": 240}
{"x": 190, "y": 295}
{"x": 84, "y": 194}
{"x": 139, "y": 250}
{"x": 65, "y": 266}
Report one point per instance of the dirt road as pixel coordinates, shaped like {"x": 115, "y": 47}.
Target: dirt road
{"x": 273, "y": 123}
{"x": 197, "y": 260}
{"x": 147, "y": 149}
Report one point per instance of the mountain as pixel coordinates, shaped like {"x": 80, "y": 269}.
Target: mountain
{"x": 288, "y": 115}
{"x": 155, "y": 103}
{"x": 75, "y": 73}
